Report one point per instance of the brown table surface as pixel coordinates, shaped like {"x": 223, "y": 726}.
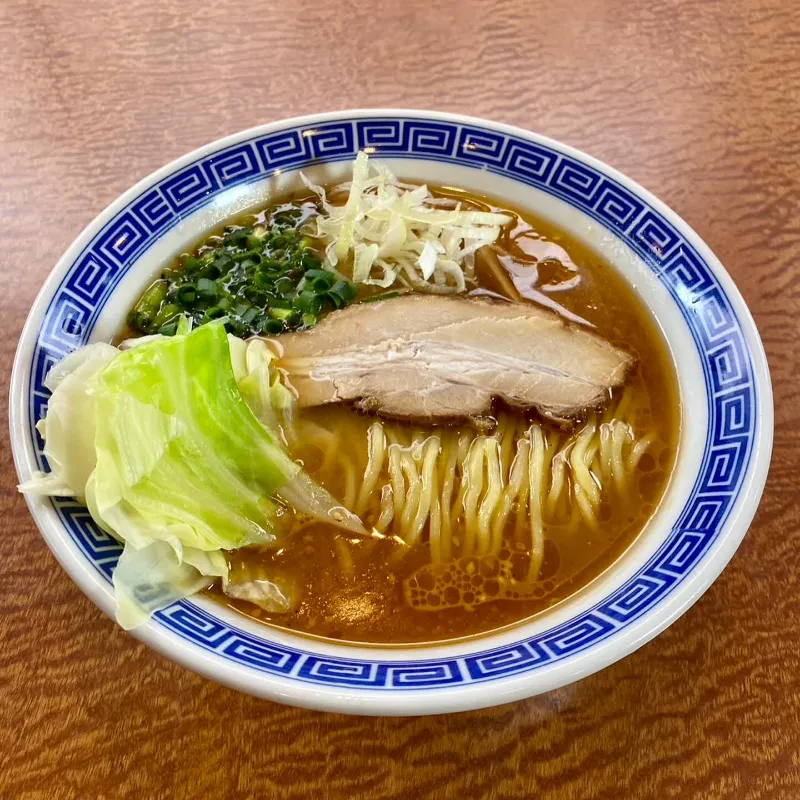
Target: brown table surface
{"x": 697, "y": 100}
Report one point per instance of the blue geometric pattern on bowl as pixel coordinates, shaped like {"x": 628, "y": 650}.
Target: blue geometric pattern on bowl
{"x": 717, "y": 333}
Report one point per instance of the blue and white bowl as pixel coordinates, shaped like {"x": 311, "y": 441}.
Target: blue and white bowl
{"x": 725, "y": 440}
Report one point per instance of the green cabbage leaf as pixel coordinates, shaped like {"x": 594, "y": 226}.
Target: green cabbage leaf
{"x": 175, "y": 444}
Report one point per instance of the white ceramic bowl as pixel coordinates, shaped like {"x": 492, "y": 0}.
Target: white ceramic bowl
{"x": 725, "y": 391}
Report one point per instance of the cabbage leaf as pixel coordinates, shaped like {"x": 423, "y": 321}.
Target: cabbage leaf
{"x": 180, "y": 455}
{"x": 175, "y": 445}
{"x": 153, "y": 578}
{"x": 68, "y": 428}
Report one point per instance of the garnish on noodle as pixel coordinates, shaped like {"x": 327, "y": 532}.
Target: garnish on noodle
{"x": 398, "y": 235}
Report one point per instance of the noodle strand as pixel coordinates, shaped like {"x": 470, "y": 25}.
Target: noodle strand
{"x": 462, "y": 493}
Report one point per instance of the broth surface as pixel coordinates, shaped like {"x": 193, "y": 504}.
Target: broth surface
{"x": 352, "y": 588}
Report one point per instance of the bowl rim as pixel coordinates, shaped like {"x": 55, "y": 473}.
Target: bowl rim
{"x": 444, "y": 697}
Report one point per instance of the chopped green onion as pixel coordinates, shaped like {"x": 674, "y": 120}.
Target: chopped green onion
{"x": 341, "y": 294}
{"x": 283, "y": 314}
{"x": 258, "y": 297}
{"x": 247, "y": 255}
{"x": 236, "y": 238}
{"x": 262, "y": 278}
{"x": 249, "y": 315}
{"x": 145, "y": 311}
{"x": 320, "y": 280}
{"x": 215, "y": 312}
{"x": 207, "y": 289}
{"x": 310, "y": 262}
{"x": 223, "y": 262}
{"x": 284, "y": 285}
{"x": 322, "y": 285}
{"x": 169, "y": 329}
{"x": 166, "y": 313}
{"x": 308, "y": 301}
{"x": 186, "y": 295}
{"x": 190, "y": 264}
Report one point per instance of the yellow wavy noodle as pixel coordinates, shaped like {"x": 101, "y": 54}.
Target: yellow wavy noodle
{"x": 387, "y": 509}
{"x": 398, "y": 484}
{"x": 376, "y": 448}
{"x": 413, "y": 495}
{"x": 430, "y": 451}
{"x": 473, "y": 478}
{"x": 495, "y": 479}
{"x": 468, "y": 494}
{"x": 558, "y": 479}
{"x": 448, "y": 478}
{"x": 537, "y": 454}
{"x": 518, "y": 473}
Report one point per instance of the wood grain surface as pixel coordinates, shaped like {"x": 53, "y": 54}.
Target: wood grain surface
{"x": 697, "y": 100}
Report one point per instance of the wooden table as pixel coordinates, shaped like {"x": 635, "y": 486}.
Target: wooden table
{"x": 697, "y": 100}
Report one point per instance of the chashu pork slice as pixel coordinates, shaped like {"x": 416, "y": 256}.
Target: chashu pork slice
{"x": 435, "y": 358}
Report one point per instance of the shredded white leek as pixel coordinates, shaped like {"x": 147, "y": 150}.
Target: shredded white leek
{"x": 399, "y": 235}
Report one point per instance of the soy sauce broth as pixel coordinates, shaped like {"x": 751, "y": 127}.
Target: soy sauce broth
{"x": 352, "y": 588}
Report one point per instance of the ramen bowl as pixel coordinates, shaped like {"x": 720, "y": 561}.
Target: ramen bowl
{"x": 723, "y": 450}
